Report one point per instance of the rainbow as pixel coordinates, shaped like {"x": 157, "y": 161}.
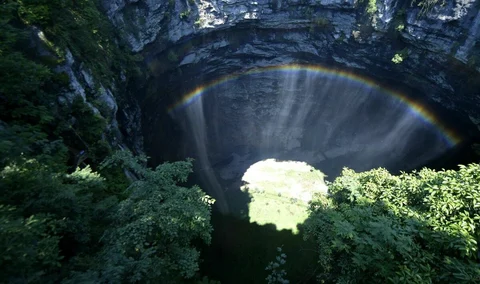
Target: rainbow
{"x": 416, "y": 108}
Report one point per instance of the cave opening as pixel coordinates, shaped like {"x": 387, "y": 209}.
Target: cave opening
{"x": 239, "y": 103}
{"x": 231, "y": 98}
{"x": 327, "y": 118}
{"x": 270, "y": 130}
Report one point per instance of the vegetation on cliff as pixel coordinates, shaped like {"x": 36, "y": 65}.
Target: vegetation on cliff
{"x": 35, "y": 37}
{"x": 60, "y": 222}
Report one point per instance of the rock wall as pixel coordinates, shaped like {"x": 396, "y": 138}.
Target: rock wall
{"x": 449, "y": 27}
{"x": 123, "y": 129}
{"x": 438, "y": 47}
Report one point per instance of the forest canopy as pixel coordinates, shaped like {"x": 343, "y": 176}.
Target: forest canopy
{"x": 420, "y": 227}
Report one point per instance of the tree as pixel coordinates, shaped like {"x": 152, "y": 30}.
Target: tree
{"x": 56, "y": 226}
{"x": 46, "y": 218}
{"x": 154, "y": 229}
{"x": 277, "y": 274}
{"x": 29, "y": 246}
{"x": 421, "y": 227}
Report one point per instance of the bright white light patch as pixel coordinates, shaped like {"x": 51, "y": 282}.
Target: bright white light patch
{"x": 280, "y": 192}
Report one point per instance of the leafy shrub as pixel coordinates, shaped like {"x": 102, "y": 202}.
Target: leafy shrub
{"x": 400, "y": 56}
{"x": 48, "y": 217}
{"x": 185, "y": 14}
{"x": 426, "y": 5}
{"x": 397, "y": 58}
{"x": 277, "y": 275}
{"x": 151, "y": 238}
{"x": 29, "y": 246}
{"x": 372, "y": 7}
{"x": 400, "y": 27}
{"x": 200, "y": 22}
{"x": 418, "y": 227}
{"x": 56, "y": 224}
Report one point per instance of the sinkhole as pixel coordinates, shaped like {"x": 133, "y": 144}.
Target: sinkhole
{"x": 302, "y": 114}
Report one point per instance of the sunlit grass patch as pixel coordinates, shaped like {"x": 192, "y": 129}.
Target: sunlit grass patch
{"x": 281, "y": 191}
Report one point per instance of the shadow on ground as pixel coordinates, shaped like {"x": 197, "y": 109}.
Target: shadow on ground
{"x": 241, "y": 250}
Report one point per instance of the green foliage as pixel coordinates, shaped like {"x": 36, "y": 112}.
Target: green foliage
{"x": 185, "y": 14}
{"x": 421, "y": 227}
{"x": 399, "y": 21}
{"x": 372, "y": 7}
{"x": 154, "y": 228}
{"x": 80, "y": 27}
{"x": 57, "y": 224}
{"x": 22, "y": 80}
{"x": 61, "y": 223}
{"x": 20, "y": 141}
{"x": 29, "y": 246}
{"x": 199, "y": 22}
{"x": 36, "y": 12}
{"x": 54, "y": 216}
{"x": 397, "y": 58}
{"x": 85, "y": 131}
{"x": 400, "y": 56}
{"x": 54, "y": 224}
{"x": 277, "y": 275}
{"x": 29, "y": 86}
{"x": 400, "y": 27}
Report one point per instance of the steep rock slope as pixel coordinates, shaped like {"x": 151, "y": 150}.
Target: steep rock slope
{"x": 432, "y": 46}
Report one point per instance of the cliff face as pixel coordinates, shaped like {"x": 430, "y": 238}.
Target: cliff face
{"x": 436, "y": 48}
{"x": 449, "y": 27}
{"x": 122, "y": 118}
{"x": 64, "y": 64}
